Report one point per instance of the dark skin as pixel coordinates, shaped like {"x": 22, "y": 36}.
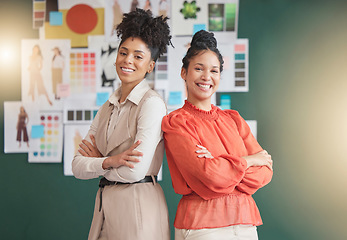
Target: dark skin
{"x": 134, "y": 55}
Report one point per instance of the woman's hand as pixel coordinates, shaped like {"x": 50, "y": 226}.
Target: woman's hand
{"x": 261, "y": 158}
{"x": 203, "y": 152}
{"x": 124, "y": 158}
{"x": 88, "y": 149}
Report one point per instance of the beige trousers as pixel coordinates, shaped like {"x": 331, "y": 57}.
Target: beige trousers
{"x": 131, "y": 212}
{"x": 236, "y": 232}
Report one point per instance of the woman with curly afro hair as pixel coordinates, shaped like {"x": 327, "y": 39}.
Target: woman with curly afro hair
{"x": 124, "y": 144}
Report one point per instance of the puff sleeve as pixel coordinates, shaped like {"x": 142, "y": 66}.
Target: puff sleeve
{"x": 209, "y": 178}
{"x": 255, "y": 177}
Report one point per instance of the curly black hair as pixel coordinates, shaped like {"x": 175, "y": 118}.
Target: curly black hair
{"x": 202, "y": 41}
{"x": 154, "y": 31}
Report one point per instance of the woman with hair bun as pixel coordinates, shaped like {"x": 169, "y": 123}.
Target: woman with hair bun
{"x": 214, "y": 160}
{"x": 124, "y": 144}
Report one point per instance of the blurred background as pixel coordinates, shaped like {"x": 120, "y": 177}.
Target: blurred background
{"x": 297, "y": 94}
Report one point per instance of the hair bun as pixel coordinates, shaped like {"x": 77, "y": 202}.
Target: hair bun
{"x": 204, "y": 38}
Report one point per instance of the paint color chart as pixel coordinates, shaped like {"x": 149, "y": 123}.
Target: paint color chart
{"x": 234, "y": 77}
{"x": 49, "y": 148}
{"x": 161, "y": 68}
{"x": 83, "y": 72}
{"x": 241, "y": 63}
{"x": 39, "y": 13}
{"x": 83, "y": 116}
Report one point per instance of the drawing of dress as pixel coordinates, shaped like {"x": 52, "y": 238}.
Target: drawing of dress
{"x": 57, "y": 72}
{"x": 21, "y": 128}
{"x": 35, "y": 77}
{"x": 117, "y": 15}
{"x": 77, "y": 140}
{"x": 163, "y": 8}
{"x": 148, "y": 5}
{"x": 134, "y": 5}
{"x": 36, "y": 80}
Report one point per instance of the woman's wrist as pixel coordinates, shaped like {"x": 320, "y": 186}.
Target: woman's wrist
{"x": 249, "y": 162}
{"x": 106, "y": 164}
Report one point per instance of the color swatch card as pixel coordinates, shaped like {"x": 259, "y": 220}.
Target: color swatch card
{"x": 225, "y": 101}
{"x": 84, "y": 71}
{"x": 80, "y": 111}
{"x": 80, "y": 115}
{"x": 234, "y": 77}
{"x": 241, "y": 63}
{"x": 50, "y": 147}
{"x": 39, "y": 13}
{"x": 161, "y": 68}
{"x": 73, "y": 135}
{"x": 161, "y": 75}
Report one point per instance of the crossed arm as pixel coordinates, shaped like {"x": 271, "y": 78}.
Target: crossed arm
{"x": 130, "y": 165}
{"x": 256, "y": 173}
{"x": 259, "y": 159}
{"x": 125, "y": 158}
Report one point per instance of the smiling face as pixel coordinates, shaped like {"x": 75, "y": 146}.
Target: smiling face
{"x": 202, "y": 78}
{"x": 133, "y": 61}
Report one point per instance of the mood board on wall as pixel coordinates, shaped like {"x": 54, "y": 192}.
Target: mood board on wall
{"x": 68, "y": 72}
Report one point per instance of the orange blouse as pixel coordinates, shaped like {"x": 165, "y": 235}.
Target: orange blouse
{"x": 216, "y": 192}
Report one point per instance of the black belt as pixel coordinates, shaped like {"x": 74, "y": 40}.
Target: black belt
{"x": 104, "y": 182}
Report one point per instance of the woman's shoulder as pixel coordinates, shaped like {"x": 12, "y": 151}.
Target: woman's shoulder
{"x": 152, "y": 99}
{"x": 178, "y": 113}
{"x": 178, "y": 118}
{"x": 229, "y": 113}
{"x": 236, "y": 117}
{"x": 153, "y": 96}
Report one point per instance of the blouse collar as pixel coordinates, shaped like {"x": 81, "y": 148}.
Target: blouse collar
{"x": 192, "y": 109}
{"x": 134, "y": 96}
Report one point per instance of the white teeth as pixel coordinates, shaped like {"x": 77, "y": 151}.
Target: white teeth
{"x": 204, "y": 86}
{"x": 127, "y": 70}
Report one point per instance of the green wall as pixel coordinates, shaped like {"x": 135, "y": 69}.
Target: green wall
{"x": 298, "y": 83}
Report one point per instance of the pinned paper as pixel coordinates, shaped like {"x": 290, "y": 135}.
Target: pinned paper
{"x": 37, "y": 131}
{"x": 225, "y": 101}
{"x": 63, "y": 90}
{"x": 198, "y": 27}
{"x": 78, "y": 22}
{"x": 49, "y": 148}
{"x": 175, "y": 98}
{"x": 101, "y": 98}
{"x": 55, "y": 18}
